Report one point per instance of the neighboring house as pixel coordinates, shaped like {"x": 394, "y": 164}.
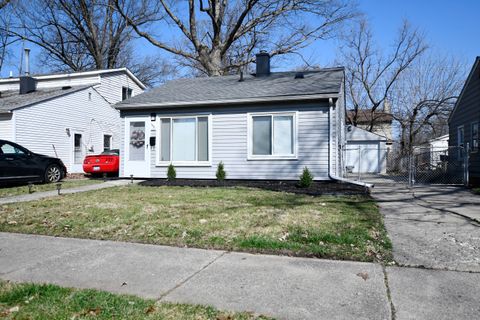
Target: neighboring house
{"x": 438, "y": 148}
{"x": 365, "y": 152}
{"x": 66, "y": 115}
{"x": 463, "y": 124}
{"x": 382, "y": 119}
{"x": 262, "y": 126}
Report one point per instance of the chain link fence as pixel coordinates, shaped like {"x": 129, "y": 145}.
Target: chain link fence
{"x": 421, "y": 165}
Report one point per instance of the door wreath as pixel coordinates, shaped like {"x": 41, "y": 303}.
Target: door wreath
{"x": 137, "y": 138}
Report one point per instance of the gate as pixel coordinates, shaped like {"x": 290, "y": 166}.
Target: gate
{"x": 422, "y": 165}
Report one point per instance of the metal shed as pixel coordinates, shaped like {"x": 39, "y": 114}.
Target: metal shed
{"x": 365, "y": 152}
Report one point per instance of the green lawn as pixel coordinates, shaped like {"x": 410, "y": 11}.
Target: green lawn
{"x": 476, "y": 190}
{"x": 23, "y": 189}
{"x": 32, "y": 301}
{"x": 242, "y": 219}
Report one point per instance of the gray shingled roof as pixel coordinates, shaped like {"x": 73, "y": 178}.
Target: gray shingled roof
{"x": 228, "y": 89}
{"x": 11, "y": 100}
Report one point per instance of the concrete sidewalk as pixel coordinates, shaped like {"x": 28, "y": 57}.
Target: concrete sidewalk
{"x": 46, "y": 194}
{"x": 431, "y": 226}
{"x": 281, "y": 287}
{"x": 456, "y": 200}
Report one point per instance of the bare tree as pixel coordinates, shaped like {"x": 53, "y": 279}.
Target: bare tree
{"x": 218, "y": 37}
{"x": 423, "y": 98}
{"x": 371, "y": 73}
{"x": 3, "y": 3}
{"x": 80, "y": 35}
{"x": 6, "y": 39}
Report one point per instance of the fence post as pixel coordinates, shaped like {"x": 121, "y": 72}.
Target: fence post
{"x": 410, "y": 168}
{"x": 359, "y": 161}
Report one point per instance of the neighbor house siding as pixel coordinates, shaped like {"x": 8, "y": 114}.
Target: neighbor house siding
{"x": 6, "y": 127}
{"x": 43, "y": 83}
{"x": 229, "y": 144}
{"x": 111, "y": 86}
{"x": 466, "y": 112}
{"x": 41, "y": 126}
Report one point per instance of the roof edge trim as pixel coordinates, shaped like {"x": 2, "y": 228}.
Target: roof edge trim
{"x": 229, "y": 101}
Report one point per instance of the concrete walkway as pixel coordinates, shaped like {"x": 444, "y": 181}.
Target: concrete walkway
{"x": 281, "y": 287}
{"x": 432, "y": 226}
{"x": 46, "y": 194}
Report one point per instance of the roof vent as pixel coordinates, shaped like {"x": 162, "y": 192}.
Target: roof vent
{"x": 263, "y": 64}
{"x": 299, "y": 75}
{"x": 66, "y": 87}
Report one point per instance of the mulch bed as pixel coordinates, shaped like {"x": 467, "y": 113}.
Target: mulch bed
{"x": 317, "y": 188}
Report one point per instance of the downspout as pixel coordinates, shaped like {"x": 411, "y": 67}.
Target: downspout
{"x": 330, "y": 174}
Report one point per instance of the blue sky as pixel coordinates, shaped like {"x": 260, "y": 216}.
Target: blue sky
{"x": 451, "y": 27}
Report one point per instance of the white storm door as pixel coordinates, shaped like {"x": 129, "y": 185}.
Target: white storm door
{"x": 137, "y": 148}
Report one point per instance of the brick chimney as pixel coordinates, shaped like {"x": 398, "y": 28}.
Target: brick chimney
{"x": 263, "y": 64}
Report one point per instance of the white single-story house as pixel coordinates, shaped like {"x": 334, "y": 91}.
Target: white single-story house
{"x": 66, "y": 115}
{"x": 267, "y": 125}
{"x": 366, "y": 152}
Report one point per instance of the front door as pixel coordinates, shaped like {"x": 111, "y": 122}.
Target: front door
{"x": 78, "y": 153}
{"x": 137, "y": 149}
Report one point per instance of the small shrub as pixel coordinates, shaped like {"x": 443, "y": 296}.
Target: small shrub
{"x": 221, "y": 174}
{"x": 171, "y": 173}
{"x": 306, "y": 178}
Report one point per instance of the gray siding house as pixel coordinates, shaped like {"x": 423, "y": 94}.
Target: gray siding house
{"x": 464, "y": 121}
{"x": 261, "y": 126}
{"x": 66, "y": 115}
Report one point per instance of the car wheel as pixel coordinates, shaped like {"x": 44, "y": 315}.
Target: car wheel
{"x": 53, "y": 173}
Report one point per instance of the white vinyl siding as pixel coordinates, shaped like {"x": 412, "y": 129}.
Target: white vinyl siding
{"x": 6, "y": 127}
{"x": 112, "y": 85}
{"x": 229, "y": 144}
{"x": 42, "y": 127}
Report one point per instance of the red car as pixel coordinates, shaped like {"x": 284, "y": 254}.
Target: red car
{"x": 106, "y": 162}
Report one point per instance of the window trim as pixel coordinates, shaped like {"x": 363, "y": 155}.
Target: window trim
{"x": 160, "y": 163}
{"x": 127, "y": 89}
{"x": 461, "y": 149}
{"x": 472, "y": 149}
{"x": 251, "y": 156}
{"x": 111, "y": 140}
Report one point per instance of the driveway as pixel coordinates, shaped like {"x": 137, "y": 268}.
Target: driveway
{"x": 434, "y": 227}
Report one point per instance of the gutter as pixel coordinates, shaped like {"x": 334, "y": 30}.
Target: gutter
{"x": 330, "y": 175}
{"x": 203, "y": 103}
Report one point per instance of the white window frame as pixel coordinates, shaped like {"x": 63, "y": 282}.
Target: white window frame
{"x": 184, "y": 163}
{"x": 251, "y": 156}
{"x": 472, "y": 148}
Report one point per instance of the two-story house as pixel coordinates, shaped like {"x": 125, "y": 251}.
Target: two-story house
{"x": 66, "y": 115}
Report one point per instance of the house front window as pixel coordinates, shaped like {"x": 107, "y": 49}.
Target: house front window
{"x": 184, "y": 140}
{"x": 474, "y": 142}
{"x": 272, "y": 136}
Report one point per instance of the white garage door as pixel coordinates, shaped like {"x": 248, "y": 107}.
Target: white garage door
{"x": 364, "y": 157}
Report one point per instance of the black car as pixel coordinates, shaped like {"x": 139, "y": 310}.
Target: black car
{"x": 18, "y": 164}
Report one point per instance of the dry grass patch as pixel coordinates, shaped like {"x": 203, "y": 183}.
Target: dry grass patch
{"x": 245, "y": 219}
